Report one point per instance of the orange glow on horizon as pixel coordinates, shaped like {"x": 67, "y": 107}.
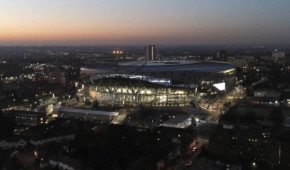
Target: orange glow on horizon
{"x": 105, "y": 34}
{"x": 82, "y": 31}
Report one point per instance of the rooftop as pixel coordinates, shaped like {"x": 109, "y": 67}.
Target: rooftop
{"x": 177, "y": 121}
{"x": 160, "y": 66}
{"x": 86, "y": 111}
{"x": 23, "y": 112}
{"x": 156, "y": 63}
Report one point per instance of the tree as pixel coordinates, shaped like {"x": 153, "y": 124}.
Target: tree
{"x": 95, "y": 104}
{"x": 6, "y": 126}
{"x": 250, "y": 118}
{"x": 276, "y": 116}
{"x": 192, "y": 104}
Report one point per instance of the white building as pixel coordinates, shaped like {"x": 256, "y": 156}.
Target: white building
{"x": 180, "y": 121}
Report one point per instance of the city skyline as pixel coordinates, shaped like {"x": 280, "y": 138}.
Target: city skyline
{"x": 144, "y": 22}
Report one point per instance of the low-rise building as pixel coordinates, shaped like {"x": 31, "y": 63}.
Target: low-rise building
{"x": 267, "y": 96}
{"x": 92, "y": 115}
{"x": 28, "y": 118}
{"x": 279, "y": 56}
{"x": 251, "y": 144}
{"x": 57, "y": 131}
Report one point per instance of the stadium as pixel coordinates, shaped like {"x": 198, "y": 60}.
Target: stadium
{"x": 155, "y": 82}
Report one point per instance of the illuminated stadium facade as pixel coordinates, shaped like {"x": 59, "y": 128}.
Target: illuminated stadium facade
{"x": 155, "y": 82}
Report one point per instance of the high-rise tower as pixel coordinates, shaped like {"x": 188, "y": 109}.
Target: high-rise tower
{"x": 150, "y": 52}
{"x": 222, "y": 55}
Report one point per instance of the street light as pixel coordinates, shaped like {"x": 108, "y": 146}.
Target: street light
{"x": 254, "y": 165}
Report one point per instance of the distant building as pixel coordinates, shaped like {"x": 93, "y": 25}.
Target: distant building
{"x": 57, "y": 77}
{"x": 287, "y": 59}
{"x": 278, "y": 56}
{"x": 239, "y": 62}
{"x": 251, "y": 143}
{"x": 150, "y": 52}
{"x": 267, "y": 96}
{"x": 57, "y": 131}
{"x": 266, "y": 93}
{"x": 26, "y": 117}
{"x": 267, "y": 58}
{"x": 249, "y": 58}
{"x": 222, "y": 55}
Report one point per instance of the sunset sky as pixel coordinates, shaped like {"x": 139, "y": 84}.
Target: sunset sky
{"x": 137, "y": 22}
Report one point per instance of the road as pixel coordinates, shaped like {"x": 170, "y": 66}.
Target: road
{"x": 185, "y": 160}
{"x": 217, "y": 107}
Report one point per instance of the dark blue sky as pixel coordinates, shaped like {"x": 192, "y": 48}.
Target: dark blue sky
{"x": 180, "y": 22}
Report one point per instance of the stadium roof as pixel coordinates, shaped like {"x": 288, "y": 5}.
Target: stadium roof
{"x": 161, "y": 66}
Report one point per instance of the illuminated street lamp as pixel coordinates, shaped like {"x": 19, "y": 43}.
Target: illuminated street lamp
{"x": 117, "y": 52}
{"x": 254, "y": 165}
